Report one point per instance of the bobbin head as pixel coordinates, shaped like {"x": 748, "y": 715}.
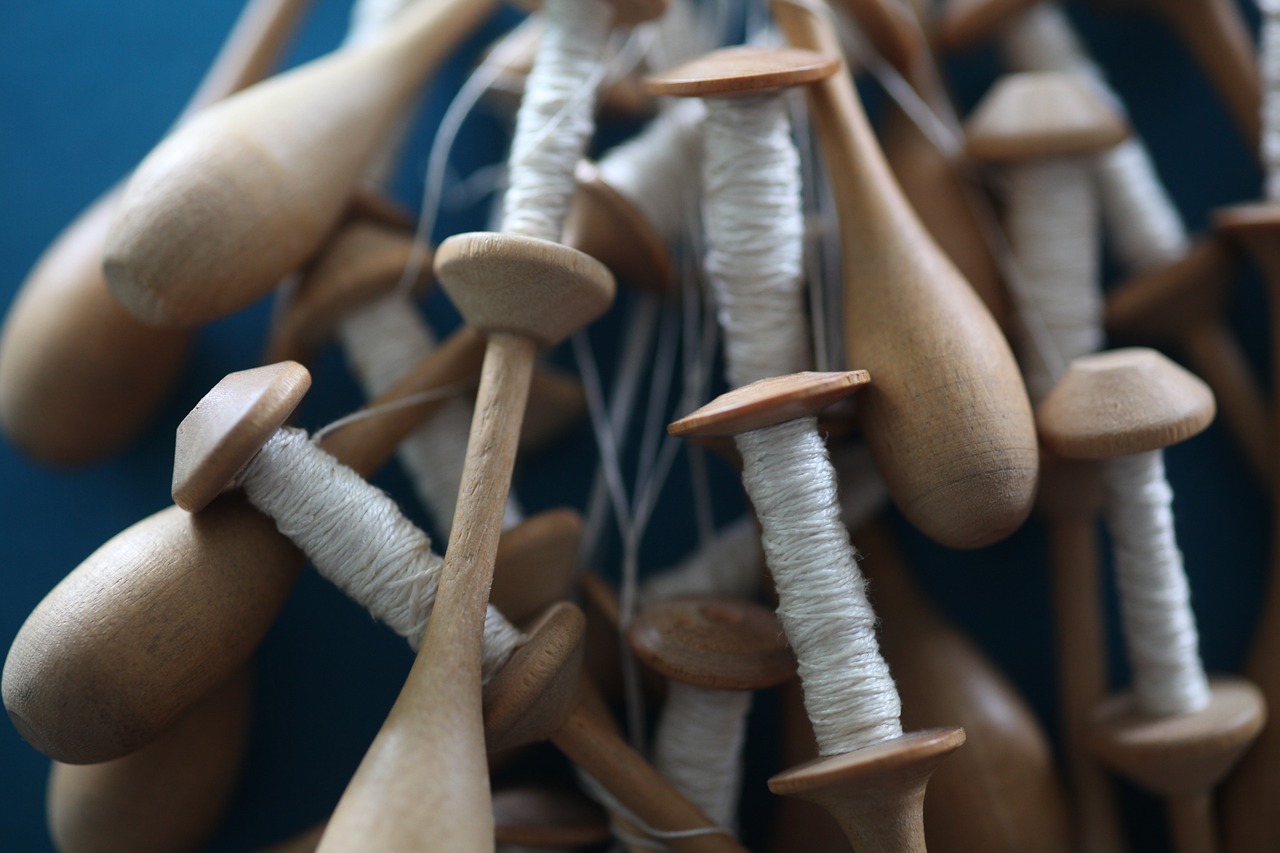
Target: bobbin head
{"x": 1161, "y": 304}
{"x": 769, "y": 402}
{"x": 964, "y": 22}
{"x": 605, "y": 224}
{"x": 537, "y": 559}
{"x": 530, "y": 698}
{"x": 228, "y": 427}
{"x": 1043, "y": 114}
{"x": 362, "y": 263}
{"x": 741, "y": 71}
{"x": 510, "y": 283}
{"x": 548, "y": 817}
{"x": 716, "y": 643}
{"x": 1122, "y": 402}
{"x": 1181, "y": 753}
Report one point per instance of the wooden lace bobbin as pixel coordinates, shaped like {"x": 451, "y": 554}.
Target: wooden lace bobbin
{"x": 874, "y": 791}
{"x": 960, "y": 459}
{"x": 172, "y": 606}
{"x": 1118, "y": 404}
{"x": 1001, "y": 792}
{"x": 547, "y": 817}
{"x": 1248, "y": 796}
{"x": 716, "y": 652}
{"x": 1184, "y": 304}
{"x": 69, "y": 354}
{"x": 244, "y": 193}
{"x": 540, "y": 695}
{"x": 524, "y": 293}
{"x": 170, "y": 795}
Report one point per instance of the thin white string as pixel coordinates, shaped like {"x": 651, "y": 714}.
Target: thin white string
{"x": 1269, "y": 71}
{"x": 440, "y": 393}
{"x": 754, "y": 232}
{"x": 615, "y": 807}
{"x": 699, "y": 740}
{"x": 1159, "y": 626}
{"x": 542, "y": 162}
{"x": 358, "y": 539}
{"x": 822, "y": 601}
{"x": 382, "y": 340}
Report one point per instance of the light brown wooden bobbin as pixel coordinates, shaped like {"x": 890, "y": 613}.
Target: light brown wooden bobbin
{"x": 1122, "y": 402}
{"x": 769, "y": 402}
{"x": 170, "y": 795}
{"x": 715, "y": 643}
{"x": 539, "y": 695}
{"x": 90, "y": 677}
{"x": 362, "y": 263}
{"x": 1182, "y": 757}
{"x": 548, "y": 817}
{"x": 551, "y": 540}
{"x": 1037, "y": 115}
{"x": 229, "y": 425}
{"x": 1184, "y": 304}
{"x": 876, "y": 793}
{"x": 743, "y": 71}
{"x": 524, "y": 293}
{"x": 245, "y": 193}
{"x": 947, "y": 420}
{"x": 67, "y": 347}
{"x": 607, "y": 226}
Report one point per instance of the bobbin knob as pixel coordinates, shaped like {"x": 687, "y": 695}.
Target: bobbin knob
{"x": 738, "y": 71}
{"x": 511, "y": 283}
{"x": 229, "y": 425}
{"x": 1043, "y": 114}
{"x": 1123, "y": 402}
{"x": 769, "y": 402}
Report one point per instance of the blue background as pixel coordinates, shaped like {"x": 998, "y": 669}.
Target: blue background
{"x": 87, "y": 87}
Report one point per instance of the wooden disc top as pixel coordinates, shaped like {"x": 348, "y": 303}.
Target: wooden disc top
{"x": 229, "y": 425}
{"x": 362, "y": 263}
{"x": 1042, "y": 114}
{"x": 1121, "y": 402}
{"x": 548, "y": 817}
{"x": 509, "y": 283}
{"x": 717, "y": 643}
{"x": 768, "y": 402}
{"x": 738, "y": 71}
{"x": 871, "y": 767}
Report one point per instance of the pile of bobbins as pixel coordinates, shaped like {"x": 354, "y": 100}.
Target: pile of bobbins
{"x": 992, "y": 591}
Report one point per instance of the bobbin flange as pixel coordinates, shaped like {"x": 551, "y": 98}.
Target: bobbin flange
{"x": 512, "y": 283}
{"x": 1042, "y": 114}
{"x": 1123, "y": 402}
{"x": 768, "y": 402}
{"x": 743, "y": 70}
{"x": 548, "y": 817}
{"x": 605, "y": 224}
{"x": 363, "y": 262}
{"x": 229, "y": 425}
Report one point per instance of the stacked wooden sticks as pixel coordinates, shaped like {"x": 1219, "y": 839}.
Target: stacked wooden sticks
{"x": 959, "y": 461}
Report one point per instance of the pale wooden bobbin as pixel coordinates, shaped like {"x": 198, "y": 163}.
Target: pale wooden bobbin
{"x": 1116, "y": 404}
{"x": 541, "y": 695}
{"x": 67, "y": 348}
{"x": 717, "y": 646}
{"x": 1249, "y": 818}
{"x": 524, "y": 293}
{"x": 606, "y": 225}
{"x": 547, "y": 817}
{"x": 948, "y": 419}
{"x": 1184, "y": 305}
{"x": 169, "y": 795}
{"x": 245, "y": 193}
{"x": 92, "y": 676}
{"x": 876, "y": 792}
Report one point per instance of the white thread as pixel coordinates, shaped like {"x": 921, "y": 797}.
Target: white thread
{"x": 615, "y": 808}
{"x": 1159, "y": 626}
{"x": 699, "y": 740}
{"x": 822, "y": 602}
{"x": 543, "y": 157}
{"x": 1052, "y": 227}
{"x": 729, "y": 564}
{"x": 1269, "y": 71}
{"x": 754, "y": 233}
{"x": 382, "y": 341}
{"x": 356, "y": 537}
{"x": 656, "y": 169}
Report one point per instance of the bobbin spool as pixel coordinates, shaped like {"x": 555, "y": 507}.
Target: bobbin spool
{"x": 1042, "y": 115}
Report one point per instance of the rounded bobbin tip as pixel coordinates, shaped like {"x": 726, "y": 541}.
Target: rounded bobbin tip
{"x": 1042, "y": 114}
{"x": 769, "y": 402}
{"x": 511, "y": 283}
{"x": 1179, "y": 753}
{"x": 363, "y": 262}
{"x": 1122, "y": 402}
{"x": 716, "y": 643}
{"x": 548, "y": 817}
{"x": 743, "y": 70}
{"x": 229, "y": 425}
